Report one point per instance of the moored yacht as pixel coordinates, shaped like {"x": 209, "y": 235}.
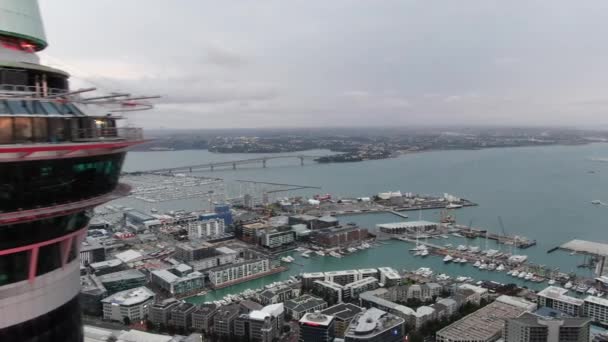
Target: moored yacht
{"x": 448, "y": 258}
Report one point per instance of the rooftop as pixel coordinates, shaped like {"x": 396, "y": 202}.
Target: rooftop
{"x": 128, "y": 256}
{"x": 328, "y": 219}
{"x": 560, "y": 294}
{"x": 408, "y": 224}
{"x": 316, "y": 318}
{"x": 589, "y": 247}
{"x": 105, "y": 264}
{"x": 389, "y": 272}
{"x": 130, "y": 297}
{"x": 342, "y": 311}
{"x": 121, "y": 275}
{"x": 484, "y": 324}
{"x": 274, "y": 310}
{"x": 372, "y": 322}
{"x": 303, "y": 303}
{"x": 597, "y": 300}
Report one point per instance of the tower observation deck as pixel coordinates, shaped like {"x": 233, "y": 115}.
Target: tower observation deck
{"x": 61, "y": 154}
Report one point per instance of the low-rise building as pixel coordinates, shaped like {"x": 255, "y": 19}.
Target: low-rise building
{"x": 262, "y": 325}
{"x": 107, "y": 266}
{"x": 123, "y": 280}
{"x": 132, "y": 304}
{"x": 556, "y": 298}
{"x": 160, "y": 312}
{"x": 389, "y": 276}
{"x": 343, "y": 277}
{"x": 353, "y": 290}
{"x": 281, "y": 293}
{"x": 234, "y": 273}
{"x": 343, "y": 313}
{"x": 316, "y": 327}
{"x": 181, "y": 315}
{"x": 202, "y": 317}
{"x": 413, "y": 318}
{"x": 223, "y": 320}
{"x": 91, "y": 251}
{"x": 194, "y": 250}
{"x": 406, "y": 227}
{"x": 375, "y": 325}
{"x": 206, "y": 228}
{"x": 328, "y": 290}
{"x": 596, "y": 309}
{"x": 529, "y": 327}
{"x": 297, "y": 307}
{"x": 483, "y": 325}
{"x": 176, "y": 285}
{"x": 221, "y": 256}
{"x": 308, "y": 279}
{"x": 339, "y": 236}
{"x": 277, "y": 238}
{"x": 478, "y": 293}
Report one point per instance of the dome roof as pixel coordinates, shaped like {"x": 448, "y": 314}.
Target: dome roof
{"x": 21, "y": 19}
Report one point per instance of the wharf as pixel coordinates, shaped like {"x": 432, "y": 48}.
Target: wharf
{"x": 515, "y": 240}
{"x": 255, "y": 276}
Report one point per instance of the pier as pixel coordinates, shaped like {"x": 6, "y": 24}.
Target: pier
{"x": 514, "y": 240}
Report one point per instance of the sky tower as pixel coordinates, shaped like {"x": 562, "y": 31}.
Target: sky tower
{"x": 61, "y": 154}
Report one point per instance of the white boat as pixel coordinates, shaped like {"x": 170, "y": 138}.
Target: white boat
{"x": 515, "y": 273}
{"x": 483, "y": 266}
{"x": 474, "y": 249}
{"x": 581, "y": 288}
{"x": 551, "y": 281}
{"x": 453, "y": 206}
{"x": 500, "y": 268}
{"x": 449, "y": 245}
{"x": 461, "y": 279}
{"x": 443, "y": 276}
{"x": 477, "y": 263}
{"x": 596, "y": 202}
{"x": 335, "y": 255}
{"x": 457, "y": 235}
{"x": 521, "y": 275}
{"x": 424, "y": 253}
{"x": 351, "y": 249}
{"x": 462, "y": 248}
{"x": 448, "y": 258}
{"x": 568, "y": 285}
{"x": 286, "y": 259}
{"x": 445, "y": 236}
{"x": 320, "y": 253}
{"x": 305, "y": 255}
{"x": 592, "y": 291}
{"x": 492, "y": 266}
{"x": 528, "y": 276}
{"x": 463, "y": 261}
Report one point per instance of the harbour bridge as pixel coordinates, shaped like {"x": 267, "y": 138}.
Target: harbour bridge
{"x": 233, "y": 163}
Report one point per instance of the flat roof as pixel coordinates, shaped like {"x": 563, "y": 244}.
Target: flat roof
{"x": 128, "y": 255}
{"x": 130, "y": 297}
{"x": 104, "y": 264}
{"x": 165, "y": 275}
{"x": 122, "y": 275}
{"x": 372, "y": 322}
{"x": 389, "y": 272}
{"x": 482, "y": 325}
{"x": 589, "y": 247}
{"x": 560, "y": 294}
{"x": 316, "y": 318}
{"x": 597, "y": 300}
{"x": 408, "y": 224}
{"x": 343, "y": 311}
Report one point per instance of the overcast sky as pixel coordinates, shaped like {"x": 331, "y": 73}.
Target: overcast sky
{"x": 281, "y": 63}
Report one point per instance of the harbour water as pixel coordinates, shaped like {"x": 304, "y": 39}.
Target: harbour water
{"x": 544, "y": 193}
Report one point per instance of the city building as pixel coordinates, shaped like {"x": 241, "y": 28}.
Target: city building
{"x": 202, "y": 317}
{"x": 281, "y": 293}
{"x": 138, "y": 221}
{"x": 478, "y": 293}
{"x": 181, "y": 315}
{"x": 262, "y": 325}
{"x": 596, "y": 309}
{"x": 389, "y": 276}
{"x": 234, "y": 273}
{"x": 276, "y": 238}
{"x": 413, "y": 318}
{"x": 324, "y": 222}
{"x": 107, "y": 266}
{"x": 176, "y": 285}
{"x": 133, "y": 304}
{"x": 223, "y": 212}
{"x": 316, "y": 327}
{"x": 328, "y": 290}
{"x": 343, "y": 313}
{"x": 339, "y": 236}
{"x": 221, "y": 256}
{"x": 91, "y": 293}
{"x": 194, "y": 250}
{"x": 123, "y": 280}
{"x": 160, "y": 312}
{"x": 297, "y": 307}
{"x": 91, "y": 251}
{"x": 556, "y": 298}
{"x": 206, "y": 228}
{"x": 306, "y": 220}
{"x": 483, "y": 325}
{"x": 223, "y": 320}
{"x": 308, "y": 279}
{"x": 407, "y": 227}
{"x": 529, "y": 327}
{"x": 343, "y": 277}
{"x": 375, "y": 325}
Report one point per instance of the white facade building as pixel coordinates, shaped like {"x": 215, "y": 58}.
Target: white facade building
{"x": 556, "y": 298}
{"x": 206, "y": 228}
{"x": 133, "y": 303}
{"x": 233, "y": 273}
{"x": 596, "y": 309}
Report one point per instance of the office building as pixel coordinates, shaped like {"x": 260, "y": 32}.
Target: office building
{"x": 181, "y": 315}
{"x": 221, "y": 256}
{"x": 123, "y": 280}
{"x": 375, "y": 325}
{"x": 160, "y": 312}
{"x": 389, "y": 276}
{"x": 206, "y": 228}
{"x": 132, "y": 304}
{"x": 316, "y": 327}
{"x": 556, "y": 298}
{"x": 328, "y": 290}
{"x": 202, "y": 317}
{"x": 352, "y": 290}
{"x": 485, "y": 324}
{"x": 223, "y": 320}
{"x": 596, "y": 309}
{"x": 91, "y": 251}
{"x": 176, "y": 285}
{"x": 529, "y": 327}
{"x": 297, "y": 307}
{"x": 343, "y": 313}
{"x": 280, "y": 293}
